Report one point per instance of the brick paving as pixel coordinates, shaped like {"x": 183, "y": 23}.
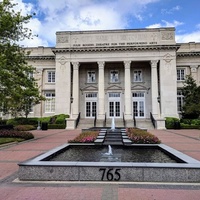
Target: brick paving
{"x": 186, "y": 141}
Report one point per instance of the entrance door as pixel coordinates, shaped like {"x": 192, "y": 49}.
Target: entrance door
{"x": 114, "y": 105}
{"x": 139, "y": 104}
{"x": 90, "y": 105}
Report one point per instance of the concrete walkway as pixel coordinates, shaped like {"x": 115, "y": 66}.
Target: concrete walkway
{"x": 186, "y": 141}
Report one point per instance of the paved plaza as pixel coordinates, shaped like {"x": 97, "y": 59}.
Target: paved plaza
{"x": 186, "y": 141}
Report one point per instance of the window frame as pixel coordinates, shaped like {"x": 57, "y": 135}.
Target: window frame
{"x": 141, "y": 76}
{"x": 114, "y": 78}
{"x": 49, "y": 106}
{"x": 181, "y": 77}
{"x": 180, "y": 101}
{"x": 89, "y": 78}
{"x": 51, "y": 76}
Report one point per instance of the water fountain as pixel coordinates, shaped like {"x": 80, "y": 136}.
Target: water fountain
{"x": 113, "y": 124}
{"x": 90, "y": 162}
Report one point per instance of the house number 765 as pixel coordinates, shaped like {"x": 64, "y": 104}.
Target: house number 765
{"x": 110, "y": 174}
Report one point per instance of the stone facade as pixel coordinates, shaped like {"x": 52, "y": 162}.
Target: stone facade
{"x": 120, "y": 73}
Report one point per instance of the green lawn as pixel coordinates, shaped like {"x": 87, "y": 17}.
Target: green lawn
{"x": 8, "y": 140}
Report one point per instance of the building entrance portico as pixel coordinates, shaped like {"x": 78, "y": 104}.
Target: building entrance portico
{"x": 128, "y": 71}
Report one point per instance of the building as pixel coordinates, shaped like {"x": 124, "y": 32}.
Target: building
{"x": 114, "y": 73}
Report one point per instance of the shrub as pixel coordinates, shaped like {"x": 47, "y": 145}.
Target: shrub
{"x": 189, "y": 126}
{"x": 56, "y": 126}
{"x": 60, "y": 119}
{"x": 85, "y": 137}
{"x": 3, "y": 122}
{"x": 138, "y": 136}
{"x": 170, "y": 121}
{"x": 7, "y": 127}
{"x": 22, "y": 121}
{"x": 24, "y": 127}
{"x": 16, "y": 134}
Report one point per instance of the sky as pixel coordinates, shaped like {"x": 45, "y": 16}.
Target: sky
{"x": 79, "y": 15}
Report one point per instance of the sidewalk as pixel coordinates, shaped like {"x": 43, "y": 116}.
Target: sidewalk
{"x": 186, "y": 141}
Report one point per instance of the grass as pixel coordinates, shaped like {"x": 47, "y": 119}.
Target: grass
{"x": 9, "y": 140}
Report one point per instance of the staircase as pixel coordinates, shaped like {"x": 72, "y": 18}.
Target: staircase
{"x": 140, "y": 123}
{"x": 118, "y": 122}
{"x": 113, "y": 137}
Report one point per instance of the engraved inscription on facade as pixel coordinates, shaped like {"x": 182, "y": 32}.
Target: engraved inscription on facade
{"x": 62, "y": 39}
{"x": 167, "y": 36}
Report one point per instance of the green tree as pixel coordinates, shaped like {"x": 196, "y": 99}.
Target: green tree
{"x": 191, "y": 92}
{"x": 16, "y": 85}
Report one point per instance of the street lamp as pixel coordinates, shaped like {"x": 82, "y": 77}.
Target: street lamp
{"x": 71, "y": 101}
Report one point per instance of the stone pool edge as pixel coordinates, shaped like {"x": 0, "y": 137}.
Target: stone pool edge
{"x": 37, "y": 170}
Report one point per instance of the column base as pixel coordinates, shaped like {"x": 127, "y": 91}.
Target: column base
{"x": 160, "y": 124}
{"x": 70, "y": 123}
{"x": 101, "y": 116}
{"x": 128, "y": 116}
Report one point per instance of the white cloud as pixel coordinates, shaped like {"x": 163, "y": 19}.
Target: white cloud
{"x": 166, "y": 24}
{"x": 170, "y": 11}
{"x": 68, "y": 15}
{"x": 189, "y": 37}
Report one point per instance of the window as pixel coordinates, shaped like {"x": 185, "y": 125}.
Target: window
{"x": 91, "y": 95}
{"x": 50, "y": 102}
{"x": 180, "y": 74}
{"x": 30, "y": 75}
{"x": 137, "y": 76}
{"x": 114, "y": 76}
{"x": 114, "y": 94}
{"x": 180, "y": 100}
{"x": 91, "y": 78}
{"x": 51, "y": 76}
{"x": 138, "y": 94}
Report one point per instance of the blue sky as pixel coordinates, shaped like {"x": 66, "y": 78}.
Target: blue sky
{"x": 70, "y": 15}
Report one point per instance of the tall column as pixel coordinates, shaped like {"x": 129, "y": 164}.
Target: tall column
{"x": 154, "y": 88}
{"x": 101, "y": 92}
{"x": 75, "y": 101}
{"x": 62, "y": 85}
{"x": 127, "y": 92}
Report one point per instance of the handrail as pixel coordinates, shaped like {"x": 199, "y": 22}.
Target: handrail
{"x": 78, "y": 119}
{"x": 124, "y": 122}
{"x": 153, "y": 120}
{"x": 95, "y": 120}
{"x": 134, "y": 120}
{"x": 104, "y": 123}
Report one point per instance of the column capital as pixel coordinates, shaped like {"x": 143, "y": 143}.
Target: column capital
{"x": 75, "y": 65}
{"x": 101, "y": 64}
{"x": 153, "y": 63}
{"x": 127, "y": 64}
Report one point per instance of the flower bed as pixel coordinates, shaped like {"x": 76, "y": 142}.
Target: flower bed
{"x": 138, "y": 136}
{"x": 16, "y": 134}
{"x": 85, "y": 137}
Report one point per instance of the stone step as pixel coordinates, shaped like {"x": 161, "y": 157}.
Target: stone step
{"x": 112, "y": 143}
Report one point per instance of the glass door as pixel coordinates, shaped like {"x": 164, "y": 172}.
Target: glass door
{"x": 91, "y": 107}
{"x": 114, "y": 105}
{"x": 139, "y": 104}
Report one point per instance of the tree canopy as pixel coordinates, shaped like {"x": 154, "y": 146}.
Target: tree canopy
{"x": 191, "y": 92}
{"x": 17, "y": 87}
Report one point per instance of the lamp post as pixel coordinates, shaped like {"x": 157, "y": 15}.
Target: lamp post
{"x": 71, "y": 101}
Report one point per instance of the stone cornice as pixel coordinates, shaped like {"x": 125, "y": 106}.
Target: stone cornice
{"x": 40, "y": 57}
{"x": 118, "y": 48}
{"x": 188, "y": 54}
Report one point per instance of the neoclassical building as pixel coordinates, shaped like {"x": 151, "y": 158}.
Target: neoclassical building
{"x": 124, "y": 74}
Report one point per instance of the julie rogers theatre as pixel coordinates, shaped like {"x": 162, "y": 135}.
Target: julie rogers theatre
{"x": 122, "y": 74}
